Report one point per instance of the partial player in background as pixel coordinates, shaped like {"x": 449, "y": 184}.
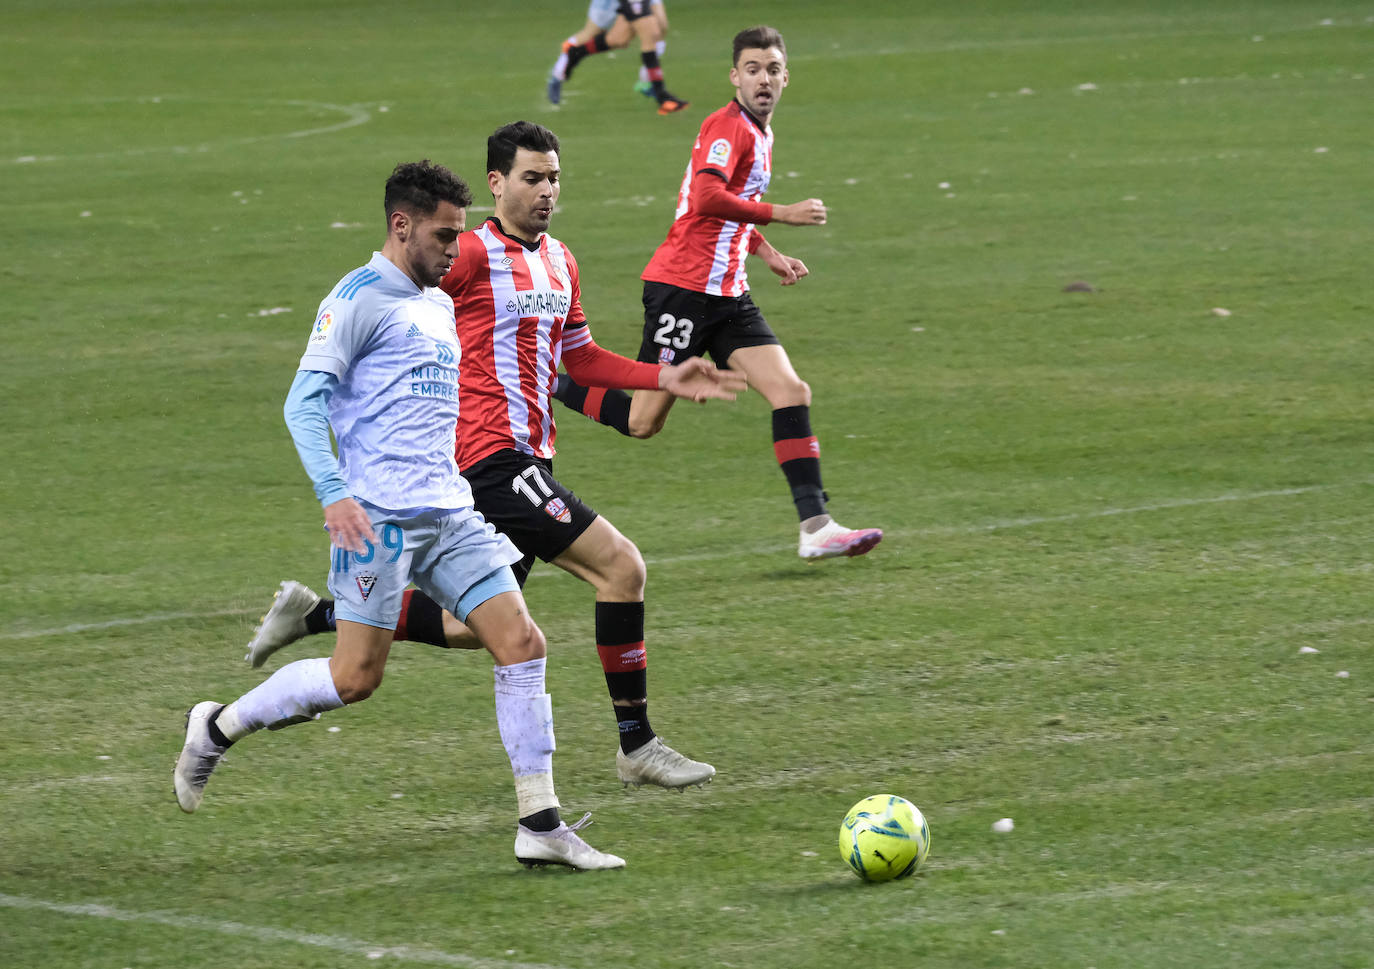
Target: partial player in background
{"x": 381, "y": 371}
{"x": 612, "y": 24}
{"x": 696, "y": 293}
{"x": 516, "y": 298}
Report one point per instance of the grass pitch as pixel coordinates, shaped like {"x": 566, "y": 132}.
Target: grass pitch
{"x": 1114, "y": 518}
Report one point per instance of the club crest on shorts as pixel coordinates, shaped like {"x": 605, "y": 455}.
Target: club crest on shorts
{"x": 365, "y": 584}
{"x": 666, "y": 354}
{"x": 558, "y": 511}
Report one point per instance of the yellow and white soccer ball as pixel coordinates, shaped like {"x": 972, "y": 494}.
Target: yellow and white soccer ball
{"x": 884, "y": 837}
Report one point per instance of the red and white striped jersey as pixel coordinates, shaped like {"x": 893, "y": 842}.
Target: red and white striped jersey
{"x": 706, "y": 254}
{"x": 516, "y": 312}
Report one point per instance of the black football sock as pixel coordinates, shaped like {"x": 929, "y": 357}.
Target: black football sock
{"x": 799, "y": 454}
{"x": 321, "y": 618}
{"x": 216, "y": 735}
{"x": 545, "y": 820}
{"x": 579, "y": 51}
{"x": 650, "y": 60}
{"x": 620, "y": 644}
{"x": 422, "y": 620}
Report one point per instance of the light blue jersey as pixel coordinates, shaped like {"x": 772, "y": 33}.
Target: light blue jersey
{"x": 394, "y": 351}
{"x": 382, "y": 362}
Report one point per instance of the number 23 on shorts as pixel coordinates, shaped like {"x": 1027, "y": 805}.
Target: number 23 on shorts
{"x": 673, "y": 331}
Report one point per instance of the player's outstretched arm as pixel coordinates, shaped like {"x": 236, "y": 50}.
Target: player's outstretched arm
{"x": 700, "y": 380}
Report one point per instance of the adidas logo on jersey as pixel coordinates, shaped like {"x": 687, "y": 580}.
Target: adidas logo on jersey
{"x": 414, "y": 331}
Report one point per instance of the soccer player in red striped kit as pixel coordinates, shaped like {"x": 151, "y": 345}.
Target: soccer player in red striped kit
{"x": 518, "y": 311}
{"x": 696, "y": 292}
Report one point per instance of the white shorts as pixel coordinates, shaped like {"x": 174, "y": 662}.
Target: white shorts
{"x": 445, "y": 553}
{"x": 602, "y": 12}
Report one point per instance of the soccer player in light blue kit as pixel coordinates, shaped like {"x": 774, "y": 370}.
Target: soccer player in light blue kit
{"x": 381, "y": 369}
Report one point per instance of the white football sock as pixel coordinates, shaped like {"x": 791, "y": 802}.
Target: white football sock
{"x": 298, "y": 691}
{"x": 524, "y": 714}
{"x": 560, "y": 66}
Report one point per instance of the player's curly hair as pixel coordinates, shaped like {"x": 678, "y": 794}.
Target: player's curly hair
{"x": 761, "y": 37}
{"x": 506, "y": 140}
{"x": 420, "y": 186}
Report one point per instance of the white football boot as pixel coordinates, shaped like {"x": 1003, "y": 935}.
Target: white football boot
{"x": 199, "y": 756}
{"x": 561, "y": 846}
{"x": 833, "y": 539}
{"x": 284, "y": 622}
{"x": 657, "y": 763}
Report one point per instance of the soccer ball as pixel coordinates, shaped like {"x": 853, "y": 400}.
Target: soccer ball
{"x": 884, "y": 837}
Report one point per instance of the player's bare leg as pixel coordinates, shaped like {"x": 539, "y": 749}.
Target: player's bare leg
{"x": 591, "y": 39}
{"x": 611, "y": 564}
{"x": 649, "y": 412}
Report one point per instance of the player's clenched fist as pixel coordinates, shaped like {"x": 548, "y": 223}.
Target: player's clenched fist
{"x": 809, "y": 212}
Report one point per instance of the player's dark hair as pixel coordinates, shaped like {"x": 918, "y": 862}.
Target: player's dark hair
{"x": 419, "y": 187}
{"x": 761, "y": 37}
{"x": 508, "y": 139}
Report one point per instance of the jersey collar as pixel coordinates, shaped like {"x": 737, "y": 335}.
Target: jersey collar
{"x": 750, "y": 115}
{"x": 392, "y": 273}
{"x": 495, "y": 223}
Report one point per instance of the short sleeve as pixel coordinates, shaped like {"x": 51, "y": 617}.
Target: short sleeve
{"x": 721, "y": 147}
{"x": 334, "y": 339}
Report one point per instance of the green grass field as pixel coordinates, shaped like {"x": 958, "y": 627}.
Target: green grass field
{"x": 1113, "y": 518}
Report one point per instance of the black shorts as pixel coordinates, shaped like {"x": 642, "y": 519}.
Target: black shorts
{"x": 521, "y": 498}
{"x": 680, "y": 323}
{"x": 632, "y": 10}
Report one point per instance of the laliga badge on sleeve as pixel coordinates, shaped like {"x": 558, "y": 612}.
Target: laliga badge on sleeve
{"x": 719, "y": 153}
{"x": 323, "y": 324}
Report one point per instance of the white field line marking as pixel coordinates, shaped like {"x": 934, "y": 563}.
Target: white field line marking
{"x": 354, "y": 947}
{"x": 81, "y": 627}
{"x": 1221, "y": 31}
{"x": 1198, "y": 882}
{"x": 1011, "y": 523}
{"x": 736, "y": 552}
{"x": 354, "y": 115}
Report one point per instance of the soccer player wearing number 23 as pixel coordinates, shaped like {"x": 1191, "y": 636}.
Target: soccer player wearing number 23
{"x": 696, "y": 291}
